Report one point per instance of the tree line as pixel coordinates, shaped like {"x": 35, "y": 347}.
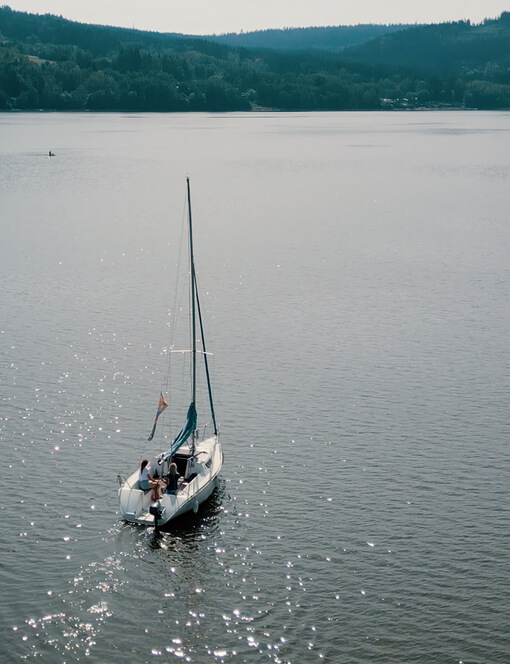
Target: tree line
{"x": 49, "y": 63}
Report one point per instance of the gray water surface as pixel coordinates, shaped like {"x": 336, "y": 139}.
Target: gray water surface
{"x": 355, "y": 275}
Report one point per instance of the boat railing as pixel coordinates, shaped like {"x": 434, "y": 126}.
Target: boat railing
{"x": 123, "y": 481}
{"x": 204, "y": 431}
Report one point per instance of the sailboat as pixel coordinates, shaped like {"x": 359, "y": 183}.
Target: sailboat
{"x": 198, "y": 458}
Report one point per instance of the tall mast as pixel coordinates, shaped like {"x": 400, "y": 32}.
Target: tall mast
{"x": 193, "y": 309}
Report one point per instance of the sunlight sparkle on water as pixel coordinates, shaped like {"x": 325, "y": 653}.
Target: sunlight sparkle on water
{"x": 406, "y": 406}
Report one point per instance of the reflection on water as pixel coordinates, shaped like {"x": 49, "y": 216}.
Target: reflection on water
{"x": 356, "y": 278}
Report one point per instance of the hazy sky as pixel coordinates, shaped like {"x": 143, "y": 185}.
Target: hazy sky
{"x": 218, "y": 16}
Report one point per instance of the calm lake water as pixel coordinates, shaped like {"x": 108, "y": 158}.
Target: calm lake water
{"x": 355, "y": 273}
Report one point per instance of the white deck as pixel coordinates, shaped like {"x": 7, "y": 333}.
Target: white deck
{"x": 134, "y": 503}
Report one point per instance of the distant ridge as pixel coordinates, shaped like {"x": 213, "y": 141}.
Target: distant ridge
{"x": 331, "y": 38}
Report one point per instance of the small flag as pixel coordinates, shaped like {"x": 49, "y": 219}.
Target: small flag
{"x": 162, "y": 404}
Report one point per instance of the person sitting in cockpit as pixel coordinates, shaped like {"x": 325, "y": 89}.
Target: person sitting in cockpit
{"x": 172, "y": 479}
{"x": 144, "y": 475}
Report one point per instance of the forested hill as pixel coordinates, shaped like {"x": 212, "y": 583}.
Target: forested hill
{"x": 49, "y": 63}
{"x": 99, "y": 40}
{"x": 334, "y": 39}
{"x": 447, "y": 48}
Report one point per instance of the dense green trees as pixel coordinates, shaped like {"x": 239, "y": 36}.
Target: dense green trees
{"x": 49, "y": 63}
{"x": 131, "y": 79}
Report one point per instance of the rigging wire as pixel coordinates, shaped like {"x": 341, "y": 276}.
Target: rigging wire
{"x": 180, "y": 285}
{"x": 175, "y": 387}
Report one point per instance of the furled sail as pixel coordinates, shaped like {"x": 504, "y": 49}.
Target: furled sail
{"x": 185, "y": 432}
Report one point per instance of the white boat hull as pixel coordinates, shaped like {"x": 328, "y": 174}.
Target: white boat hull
{"x": 134, "y": 504}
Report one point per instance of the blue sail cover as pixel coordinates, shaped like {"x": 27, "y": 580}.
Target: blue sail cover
{"x": 185, "y": 432}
